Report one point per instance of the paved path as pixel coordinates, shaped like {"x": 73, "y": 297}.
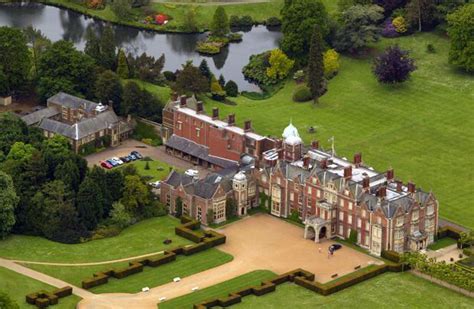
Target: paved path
{"x": 44, "y": 278}
{"x": 445, "y": 254}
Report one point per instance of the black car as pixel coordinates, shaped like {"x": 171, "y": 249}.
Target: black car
{"x": 335, "y": 247}
{"x": 137, "y": 154}
{"x": 125, "y": 159}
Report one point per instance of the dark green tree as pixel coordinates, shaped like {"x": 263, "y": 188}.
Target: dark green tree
{"x": 190, "y": 21}
{"x": 220, "y": 26}
{"x": 16, "y": 60}
{"x": 122, "y": 9}
{"x": 12, "y": 129}
{"x": 63, "y": 68}
{"x": 421, "y": 13}
{"x": 230, "y": 208}
{"x": 92, "y": 48}
{"x": 221, "y": 80}
{"x": 210, "y": 216}
{"x": 204, "y": 68}
{"x": 39, "y": 43}
{"x": 68, "y": 173}
{"x": 114, "y": 181}
{"x": 190, "y": 80}
{"x": 136, "y": 195}
{"x": 8, "y": 202}
{"x": 109, "y": 88}
{"x": 231, "y": 89}
{"x": 178, "y": 207}
{"x": 108, "y": 49}
{"x": 90, "y": 204}
{"x": 131, "y": 93}
{"x": 316, "y": 82}
{"x": 146, "y": 67}
{"x": 102, "y": 180}
{"x": 345, "y": 4}
{"x": 460, "y": 30}
{"x": 122, "y": 67}
{"x": 298, "y": 21}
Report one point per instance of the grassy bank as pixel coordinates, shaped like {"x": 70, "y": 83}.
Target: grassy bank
{"x": 144, "y": 237}
{"x": 390, "y": 290}
{"x": 422, "y": 128}
{"x": 18, "y": 286}
{"x": 183, "y": 266}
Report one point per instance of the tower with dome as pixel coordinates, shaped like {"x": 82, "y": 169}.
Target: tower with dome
{"x": 292, "y": 143}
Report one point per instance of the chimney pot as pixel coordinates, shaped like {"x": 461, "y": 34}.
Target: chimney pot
{"x": 366, "y": 183}
{"x": 248, "y": 126}
{"x": 231, "y": 119}
{"x": 357, "y": 159}
{"x": 390, "y": 174}
{"x": 399, "y": 186}
{"x": 348, "y": 172}
{"x": 315, "y": 144}
{"x": 215, "y": 113}
{"x": 382, "y": 192}
{"x": 306, "y": 162}
{"x": 182, "y": 101}
{"x": 324, "y": 163}
{"x": 199, "y": 107}
{"x": 411, "y": 187}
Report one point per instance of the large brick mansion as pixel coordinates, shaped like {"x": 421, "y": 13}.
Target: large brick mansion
{"x": 333, "y": 196}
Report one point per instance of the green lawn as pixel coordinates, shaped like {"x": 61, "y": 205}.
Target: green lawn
{"x": 219, "y": 290}
{"x": 163, "y": 93}
{"x": 142, "y": 238}
{"x": 157, "y": 170}
{"x": 183, "y": 266}
{"x": 441, "y": 243}
{"x": 18, "y": 286}
{"x": 423, "y": 128}
{"x": 390, "y": 290}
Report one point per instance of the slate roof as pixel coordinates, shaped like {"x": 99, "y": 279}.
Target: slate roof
{"x": 73, "y": 102}
{"x": 36, "y": 117}
{"x": 83, "y": 128}
{"x": 189, "y": 147}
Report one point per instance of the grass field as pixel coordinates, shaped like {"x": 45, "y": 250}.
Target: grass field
{"x": 219, "y": 290}
{"x": 442, "y": 243}
{"x": 158, "y": 170}
{"x": 423, "y": 128}
{"x": 389, "y": 290}
{"x": 18, "y": 286}
{"x": 142, "y": 238}
{"x": 184, "y": 266}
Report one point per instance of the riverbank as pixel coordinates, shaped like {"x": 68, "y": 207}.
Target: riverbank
{"x": 259, "y": 11}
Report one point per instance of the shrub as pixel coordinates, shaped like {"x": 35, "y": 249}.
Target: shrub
{"x": 231, "y": 89}
{"x": 302, "y": 94}
{"x": 331, "y": 63}
{"x": 299, "y": 76}
{"x": 241, "y": 22}
{"x": 389, "y": 30}
{"x": 235, "y": 37}
{"x": 280, "y": 64}
{"x": 170, "y": 76}
{"x": 256, "y": 69}
{"x": 208, "y": 48}
{"x": 273, "y": 22}
{"x": 353, "y": 236}
{"x": 393, "y": 66}
{"x": 430, "y": 48}
{"x": 400, "y": 24}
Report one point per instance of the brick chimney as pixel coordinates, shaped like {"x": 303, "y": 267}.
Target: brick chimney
{"x": 280, "y": 154}
{"x": 358, "y": 159}
{"x": 366, "y": 183}
{"x": 348, "y": 172}
{"x": 324, "y": 163}
{"x": 215, "y": 113}
{"x": 248, "y": 126}
{"x": 199, "y": 107}
{"x": 279, "y": 144}
{"x": 315, "y": 144}
{"x": 382, "y": 192}
{"x": 399, "y": 186}
{"x": 390, "y": 174}
{"x": 231, "y": 119}
{"x": 306, "y": 162}
{"x": 182, "y": 101}
{"x": 411, "y": 187}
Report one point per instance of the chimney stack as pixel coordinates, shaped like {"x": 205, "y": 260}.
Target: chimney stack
{"x": 390, "y": 174}
{"x": 280, "y": 154}
{"x": 231, "y": 119}
{"x": 315, "y": 144}
{"x": 366, "y": 183}
{"x": 411, "y": 187}
{"x": 182, "y": 101}
{"x": 382, "y": 192}
{"x": 215, "y": 113}
{"x": 279, "y": 144}
{"x": 399, "y": 186}
{"x": 348, "y": 172}
{"x": 324, "y": 163}
{"x": 306, "y": 162}
{"x": 174, "y": 96}
{"x": 248, "y": 126}
{"x": 358, "y": 159}
{"x": 199, "y": 107}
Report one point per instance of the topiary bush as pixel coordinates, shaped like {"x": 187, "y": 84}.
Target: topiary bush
{"x": 231, "y": 89}
{"x": 302, "y": 94}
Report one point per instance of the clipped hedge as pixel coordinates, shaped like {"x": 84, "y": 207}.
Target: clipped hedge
{"x": 391, "y": 255}
{"x": 43, "y": 299}
{"x": 449, "y": 231}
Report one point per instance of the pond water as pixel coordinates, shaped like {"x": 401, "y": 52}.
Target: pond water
{"x": 57, "y": 24}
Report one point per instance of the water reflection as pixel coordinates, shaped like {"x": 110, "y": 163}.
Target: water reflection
{"x": 59, "y": 24}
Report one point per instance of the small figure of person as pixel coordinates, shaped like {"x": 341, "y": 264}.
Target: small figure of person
{"x": 319, "y": 249}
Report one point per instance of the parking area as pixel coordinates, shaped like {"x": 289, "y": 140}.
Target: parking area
{"x": 156, "y": 153}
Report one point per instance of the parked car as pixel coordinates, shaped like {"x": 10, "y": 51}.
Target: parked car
{"x": 155, "y": 184}
{"x": 106, "y": 165}
{"x": 335, "y": 247}
{"x": 120, "y": 162}
{"x": 192, "y": 172}
{"x": 125, "y": 159}
{"x": 112, "y": 162}
{"x": 132, "y": 157}
{"x": 137, "y": 154}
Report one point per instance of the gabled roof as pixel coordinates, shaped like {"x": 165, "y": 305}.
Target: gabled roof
{"x": 73, "y": 102}
{"x": 36, "y": 117}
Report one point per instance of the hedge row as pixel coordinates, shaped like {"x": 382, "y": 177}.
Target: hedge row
{"x": 302, "y": 278}
{"x": 203, "y": 242}
{"x": 391, "y": 255}
{"x": 449, "y": 231}
{"x": 43, "y": 299}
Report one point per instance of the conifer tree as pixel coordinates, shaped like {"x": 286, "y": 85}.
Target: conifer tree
{"x": 316, "y": 65}
{"x": 204, "y": 68}
{"x": 220, "y": 23}
{"x": 122, "y": 68}
{"x": 108, "y": 49}
{"x": 90, "y": 203}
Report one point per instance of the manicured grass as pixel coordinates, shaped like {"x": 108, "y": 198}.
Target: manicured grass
{"x": 183, "y": 266}
{"x": 219, "y": 290}
{"x": 163, "y": 93}
{"x": 441, "y": 243}
{"x": 158, "y": 170}
{"x": 144, "y": 237}
{"x": 390, "y": 290}
{"x": 422, "y": 128}
{"x": 18, "y": 286}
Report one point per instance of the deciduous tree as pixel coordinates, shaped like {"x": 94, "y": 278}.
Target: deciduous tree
{"x": 190, "y": 80}
{"x": 108, "y": 88}
{"x": 280, "y": 64}
{"x": 460, "y": 30}
{"x": 8, "y": 203}
{"x": 393, "y": 66}
{"x": 122, "y": 9}
{"x": 136, "y": 195}
{"x": 421, "y": 13}
{"x": 89, "y": 203}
